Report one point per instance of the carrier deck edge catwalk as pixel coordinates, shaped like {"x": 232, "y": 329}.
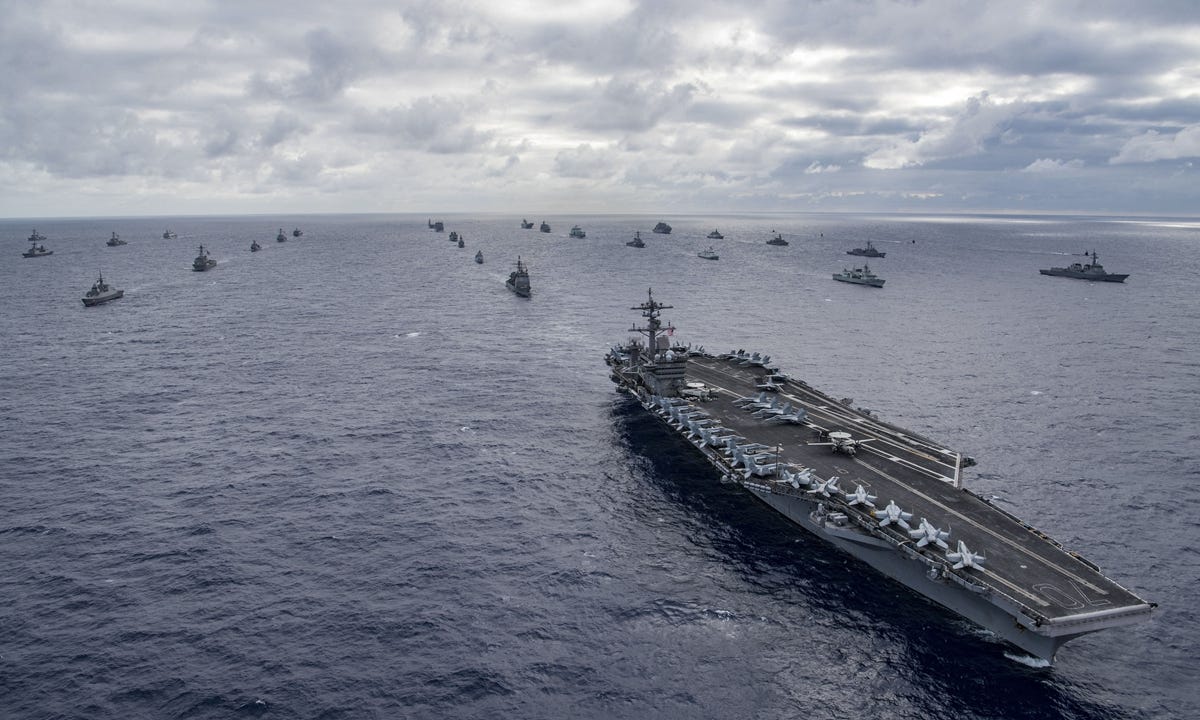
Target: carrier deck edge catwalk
{"x": 887, "y": 496}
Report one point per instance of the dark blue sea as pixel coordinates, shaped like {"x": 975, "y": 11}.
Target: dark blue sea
{"x": 352, "y": 476}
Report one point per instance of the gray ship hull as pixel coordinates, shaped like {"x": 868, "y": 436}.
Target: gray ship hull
{"x": 914, "y": 574}
{"x": 790, "y": 445}
{"x": 1105, "y": 277}
{"x": 103, "y": 298}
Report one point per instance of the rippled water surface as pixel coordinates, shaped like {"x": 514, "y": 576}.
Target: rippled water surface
{"x": 352, "y": 476}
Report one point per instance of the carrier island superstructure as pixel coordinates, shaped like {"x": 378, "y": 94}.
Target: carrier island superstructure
{"x": 885, "y": 495}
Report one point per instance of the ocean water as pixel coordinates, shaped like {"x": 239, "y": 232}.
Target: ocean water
{"x": 351, "y": 476}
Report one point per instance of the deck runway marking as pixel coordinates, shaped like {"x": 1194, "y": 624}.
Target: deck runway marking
{"x": 970, "y": 521}
{"x": 1022, "y": 591}
{"x": 1007, "y": 541}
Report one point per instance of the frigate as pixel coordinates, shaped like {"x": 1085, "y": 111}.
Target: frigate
{"x": 885, "y": 495}
{"x": 100, "y": 293}
{"x": 203, "y": 261}
{"x": 860, "y": 276}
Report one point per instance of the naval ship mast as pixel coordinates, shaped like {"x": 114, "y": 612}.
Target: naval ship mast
{"x": 661, "y": 371}
{"x": 651, "y": 309}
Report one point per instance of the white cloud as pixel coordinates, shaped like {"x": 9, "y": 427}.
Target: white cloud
{"x": 1152, "y": 146}
{"x": 1052, "y": 165}
{"x": 963, "y": 135}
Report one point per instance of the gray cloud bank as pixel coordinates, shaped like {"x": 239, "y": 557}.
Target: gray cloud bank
{"x": 129, "y": 107}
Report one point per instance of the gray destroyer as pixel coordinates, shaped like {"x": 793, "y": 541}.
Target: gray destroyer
{"x": 1086, "y": 271}
{"x": 885, "y": 495}
{"x": 37, "y": 248}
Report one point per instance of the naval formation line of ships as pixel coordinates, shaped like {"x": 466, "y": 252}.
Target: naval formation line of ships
{"x": 885, "y": 495}
{"x": 518, "y": 280}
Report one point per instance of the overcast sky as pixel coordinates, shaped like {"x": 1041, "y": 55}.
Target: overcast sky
{"x": 150, "y": 107}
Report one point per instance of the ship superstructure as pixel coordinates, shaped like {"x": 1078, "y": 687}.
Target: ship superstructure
{"x": 885, "y": 495}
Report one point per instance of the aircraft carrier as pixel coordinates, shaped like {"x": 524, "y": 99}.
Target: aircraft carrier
{"x": 885, "y": 495}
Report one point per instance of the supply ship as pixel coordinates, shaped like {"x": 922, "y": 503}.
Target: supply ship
{"x": 888, "y": 496}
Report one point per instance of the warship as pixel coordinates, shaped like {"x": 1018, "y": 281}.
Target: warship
{"x": 637, "y": 241}
{"x": 716, "y": 235}
{"x": 101, "y": 292}
{"x": 777, "y": 240}
{"x": 544, "y": 227}
{"x": 254, "y": 246}
{"x": 36, "y": 248}
{"x": 887, "y": 496}
{"x": 438, "y": 226}
{"x": 709, "y": 254}
{"x": 868, "y": 251}
{"x": 169, "y": 235}
{"x": 115, "y": 240}
{"x": 577, "y": 232}
{"x": 281, "y": 237}
{"x": 453, "y": 236}
{"x": 1086, "y": 271}
{"x": 526, "y": 225}
{"x": 203, "y": 261}
{"x": 662, "y": 229}
{"x": 860, "y": 276}
{"x": 518, "y": 280}
{"x": 297, "y": 232}
{"x": 479, "y": 256}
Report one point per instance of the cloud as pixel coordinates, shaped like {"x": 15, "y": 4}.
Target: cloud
{"x": 980, "y": 122}
{"x": 332, "y": 65}
{"x": 816, "y": 168}
{"x": 434, "y": 124}
{"x": 1051, "y": 165}
{"x": 585, "y": 161}
{"x": 629, "y": 105}
{"x": 283, "y": 126}
{"x": 1152, "y": 146}
{"x": 708, "y": 103}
